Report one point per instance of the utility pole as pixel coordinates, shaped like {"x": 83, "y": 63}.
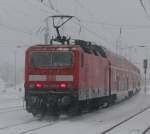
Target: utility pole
{"x": 145, "y": 64}
{"x": 15, "y": 66}
{"x": 118, "y": 41}
{"x": 46, "y": 34}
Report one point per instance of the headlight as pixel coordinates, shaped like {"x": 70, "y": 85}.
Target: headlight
{"x": 39, "y": 85}
{"x": 62, "y": 85}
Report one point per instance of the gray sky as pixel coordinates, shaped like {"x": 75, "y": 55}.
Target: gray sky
{"x": 20, "y": 21}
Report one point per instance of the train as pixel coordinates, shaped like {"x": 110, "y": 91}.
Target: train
{"x": 74, "y": 76}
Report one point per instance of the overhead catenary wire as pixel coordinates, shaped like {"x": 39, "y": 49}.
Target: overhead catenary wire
{"x": 110, "y": 25}
{"x": 84, "y": 7}
{"x": 95, "y": 33}
{"x": 95, "y": 22}
{"x": 12, "y": 28}
{"x": 51, "y": 6}
{"x": 145, "y": 10}
{"x": 107, "y": 26}
{"x": 11, "y": 41}
{"x": 41, "y": 9}
{"x": 14, "y": 46}
{"x": 125, "y": 26}
{"x": 86, "y": 28}
{"x": 92, "y": 15}
{"x": 17, "y": 10}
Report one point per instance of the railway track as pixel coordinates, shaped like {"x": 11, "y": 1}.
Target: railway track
{"x": 48, "y": 124}
{"x": 104, "y": 132}
{"x": 36, "y": 124}
{"x": 10, "y": 109}
{"x": 37, "y": 128}
{"x": 126, "y": 120}
{"x": 28, "y": 126}
{"x": 7, "y": 108}
{"x": 17, "y": 124}
{"x": 10, "y": 99}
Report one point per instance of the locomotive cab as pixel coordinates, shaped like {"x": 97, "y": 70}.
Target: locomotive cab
{"x": 51, "y": 76}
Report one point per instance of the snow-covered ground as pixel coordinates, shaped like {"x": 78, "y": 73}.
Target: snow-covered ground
{"x": 15, "y": 120}
{"x": 10, "y": 97}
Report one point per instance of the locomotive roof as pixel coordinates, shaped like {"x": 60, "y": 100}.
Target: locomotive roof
{"x": 87, "y": 47}
{"x": 48, "y": 47}
{"x": 92, "y": 48}
{"x": 120, "y": 61}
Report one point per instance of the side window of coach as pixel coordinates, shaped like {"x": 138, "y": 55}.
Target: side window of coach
{"x": 82, "y": 60}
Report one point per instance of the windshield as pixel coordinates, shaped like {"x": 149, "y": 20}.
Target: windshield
{"x": 51, "y": 59}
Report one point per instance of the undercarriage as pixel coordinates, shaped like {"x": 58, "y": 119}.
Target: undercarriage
{"x": 50, "y": 103}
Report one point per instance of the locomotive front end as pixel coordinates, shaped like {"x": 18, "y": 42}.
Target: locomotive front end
{"x": 51, "y": 79}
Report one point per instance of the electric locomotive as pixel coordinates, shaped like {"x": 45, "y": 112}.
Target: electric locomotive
{"x": 74, "y": 75}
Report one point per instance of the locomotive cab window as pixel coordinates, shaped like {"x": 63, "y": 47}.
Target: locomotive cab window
{"x": 51, "y": 59}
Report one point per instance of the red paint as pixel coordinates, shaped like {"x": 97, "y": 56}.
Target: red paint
{"x": 97, "y": 72}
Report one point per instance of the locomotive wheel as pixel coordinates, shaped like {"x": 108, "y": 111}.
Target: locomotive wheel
{"x": 109, "y": 101}
{"x": 92, "y": 105}
{"x": 74, "y": 109}
{"x": 106, "y": 104}
{"x": 54, "y": 110}
{"x": 34, "y": 114}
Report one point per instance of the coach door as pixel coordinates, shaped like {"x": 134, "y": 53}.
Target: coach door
{"x": 107, "y": 81}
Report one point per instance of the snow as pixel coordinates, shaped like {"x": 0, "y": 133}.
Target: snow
{"x": 9, "y": 97}
{"x": 138, "y": 124}
{"x": 21, "y": 25}
{"x": 2, "y": 85}
{"x": 18, "y": 120}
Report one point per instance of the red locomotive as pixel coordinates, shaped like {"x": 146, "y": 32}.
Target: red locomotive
{"x": 76, "y": 75}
